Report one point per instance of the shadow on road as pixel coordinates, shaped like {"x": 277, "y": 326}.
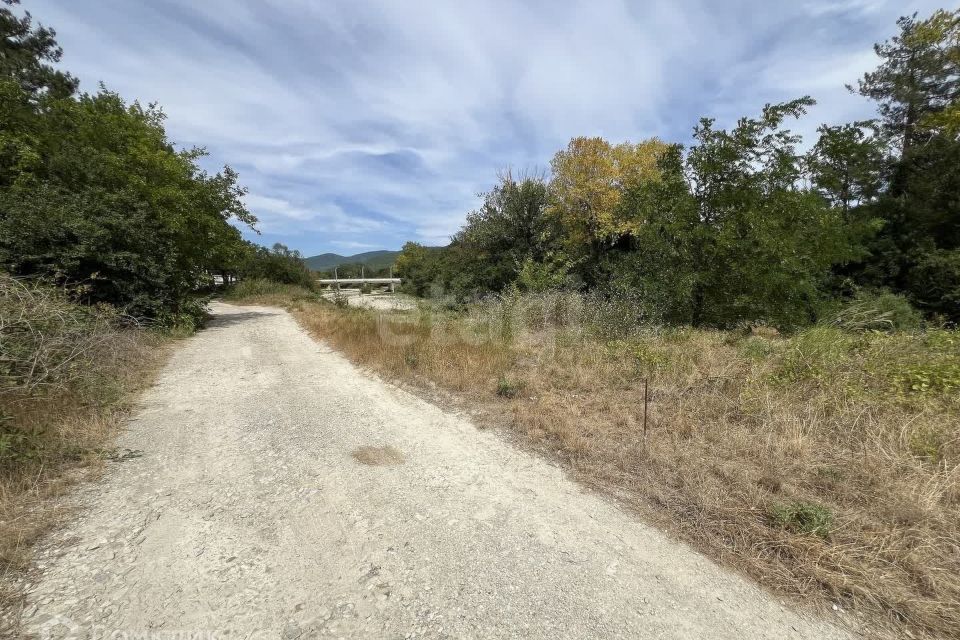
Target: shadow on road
{"x": 231, "y": 318}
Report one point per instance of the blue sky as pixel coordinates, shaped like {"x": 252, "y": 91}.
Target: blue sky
{"x": 360, "y": 125}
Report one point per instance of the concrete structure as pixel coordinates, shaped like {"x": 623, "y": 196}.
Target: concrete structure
{"x": 361, "y": 281}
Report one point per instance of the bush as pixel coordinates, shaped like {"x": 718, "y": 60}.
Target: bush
{"x": 189, "y": 315}
{"x": 934, "y": 283}
{"x": 47, "y": 340}
{"x": 54, "y": 351}
{"x": 877, "y": 311}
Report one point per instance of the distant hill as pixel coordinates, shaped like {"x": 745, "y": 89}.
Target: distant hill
{"x": 373, "y": 259}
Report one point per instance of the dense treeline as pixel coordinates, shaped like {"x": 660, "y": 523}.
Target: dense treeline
{"x": 94, "y": 196}
{"x": 276, "y": 264}
{"x": 741, "y": 226}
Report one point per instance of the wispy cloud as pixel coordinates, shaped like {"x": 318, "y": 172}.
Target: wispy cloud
{"x": 356, "y": 246}
{"x": 365, "y": 124}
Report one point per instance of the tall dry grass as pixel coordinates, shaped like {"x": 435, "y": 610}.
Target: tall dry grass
{"x": 824, "y": 464}
{"x": 267, "y": 292}
{"x": 67, "y": 375}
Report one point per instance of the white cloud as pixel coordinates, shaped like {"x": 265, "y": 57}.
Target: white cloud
{"x": 349, "y": 244}
{"x": 277, "y": 215}
{"x": 378, "y": 122}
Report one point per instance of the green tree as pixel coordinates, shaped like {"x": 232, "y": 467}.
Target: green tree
{"x": 767, "y": 244}
{"x": 27, "y": 53}
{"x": 849, "y": 164}
{"x": 419, "y": 267}
{"x": 509, "y": 229}
{"x": 98, "y": 196}
{"x": 917, "y": 85}
{"x": 278, "y": 263}
{"x": 664, "y": 265}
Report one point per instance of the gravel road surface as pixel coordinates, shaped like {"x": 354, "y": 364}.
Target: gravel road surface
{"x": 274, "y": 490}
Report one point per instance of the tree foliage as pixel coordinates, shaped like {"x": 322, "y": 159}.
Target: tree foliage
{"x": 27, "y": 53}
{"x": 917, "y": 86}
{"x": 590, "y": 177}
{"x": 279, "y": 263}
{"x": 742, "y": 226}
{"x": 94, "y": 195}
{"x": 849, "y": 164}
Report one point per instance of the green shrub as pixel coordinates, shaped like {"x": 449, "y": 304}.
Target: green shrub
{"x": 191, "y": 314}
{"x": 881, "y": 311}
{"x": 540, "y": 277}
{"x": 648, "y": 358}
{"x": 932, "y": 377}
{"x": 18, "y": 444}
{"x": 803, "y": 517}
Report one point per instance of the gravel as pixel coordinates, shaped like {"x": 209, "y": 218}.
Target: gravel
{"x": 245, "y": 514}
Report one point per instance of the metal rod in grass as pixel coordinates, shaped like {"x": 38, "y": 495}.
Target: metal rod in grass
{"x": 646, "y": 402}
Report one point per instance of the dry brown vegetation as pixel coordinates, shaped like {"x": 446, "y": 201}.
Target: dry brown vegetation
{"x": 824, "y": 464}
{"x": 68, "y": 374}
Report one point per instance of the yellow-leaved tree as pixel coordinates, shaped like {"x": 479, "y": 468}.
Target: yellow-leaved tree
{"x": 589, "y": 179}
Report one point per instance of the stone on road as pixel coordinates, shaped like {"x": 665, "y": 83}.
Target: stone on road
{"x": 277, "y": 491}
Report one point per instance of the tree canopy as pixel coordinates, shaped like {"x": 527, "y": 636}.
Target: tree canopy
{"x": 94, "y": 196}
{"x": 742, "y": 226}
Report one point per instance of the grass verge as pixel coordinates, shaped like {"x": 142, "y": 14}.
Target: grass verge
{"x": 823, "y": 464}
{"x": 267, "y": 292}
{"x": 68, "y": 375}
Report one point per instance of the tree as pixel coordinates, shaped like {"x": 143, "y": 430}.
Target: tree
{"x": 419, "y": 267}
{"x": 766, "y": 245}
{"x": 102, "y": 199}
{"x": 509, "y": 229}
{"x": 848, "y": 164}
{"x": 589, "y": 179}
{"x": 278, "y": 263}
{"x": 27, "y": 53}
{"x": 664, "y": 266}
{"x": 917, "y": 85}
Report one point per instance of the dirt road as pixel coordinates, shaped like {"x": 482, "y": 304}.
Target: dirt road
{"x": 248, "y": 507}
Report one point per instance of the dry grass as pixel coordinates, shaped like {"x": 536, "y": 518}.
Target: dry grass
{"x": 823, "y": 464}
{"x": 67, "y": 377}
{"x": 268, "y": 293}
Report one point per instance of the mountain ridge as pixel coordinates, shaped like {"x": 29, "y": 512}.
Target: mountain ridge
{"x": 374, "y": 259}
